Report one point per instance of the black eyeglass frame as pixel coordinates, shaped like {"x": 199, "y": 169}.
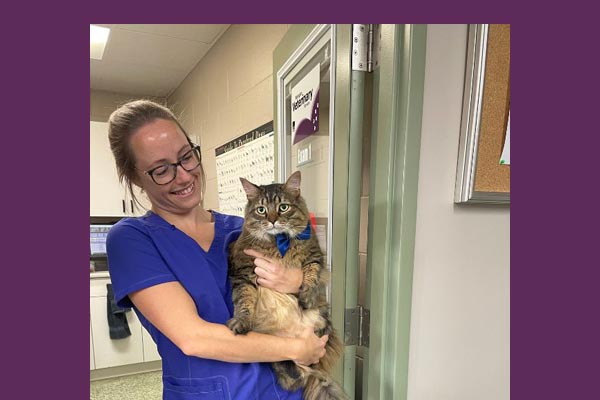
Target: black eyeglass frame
{"x": 195, "y": 147}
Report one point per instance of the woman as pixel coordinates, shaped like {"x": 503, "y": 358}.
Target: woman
{"x": 170, "y": 265}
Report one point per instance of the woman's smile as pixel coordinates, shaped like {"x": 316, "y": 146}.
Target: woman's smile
{"x": 186, "y": 191}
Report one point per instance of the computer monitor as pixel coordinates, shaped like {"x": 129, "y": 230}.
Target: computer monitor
{"x": 98, "y": 234}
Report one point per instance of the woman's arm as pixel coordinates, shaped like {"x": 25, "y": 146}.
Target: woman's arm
{"x": 170, "y": 308}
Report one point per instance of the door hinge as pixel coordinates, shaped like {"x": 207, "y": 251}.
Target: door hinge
{"x": 365, "y": 47}
{"x": 356, "y": 326}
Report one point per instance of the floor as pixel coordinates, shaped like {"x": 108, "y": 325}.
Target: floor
{"x": 146, "y": 386}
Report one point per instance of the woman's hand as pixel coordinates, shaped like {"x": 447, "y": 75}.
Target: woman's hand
{"x": 313, "y": 347}
{"x": 273, "y": 275}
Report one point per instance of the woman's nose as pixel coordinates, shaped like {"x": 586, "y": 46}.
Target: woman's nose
{"x": 182, "y": 174}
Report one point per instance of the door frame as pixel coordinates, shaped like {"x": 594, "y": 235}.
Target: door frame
{"x": 294, "y": 45}
{"x": 398, "y": 87}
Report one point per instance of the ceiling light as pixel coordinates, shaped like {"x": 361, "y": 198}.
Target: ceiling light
{"x": 98, "y": 38}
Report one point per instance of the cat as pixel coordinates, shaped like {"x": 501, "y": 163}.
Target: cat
{"x": 278, "y": 213}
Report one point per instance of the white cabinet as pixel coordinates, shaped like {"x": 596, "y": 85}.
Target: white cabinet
{"x": 109, "y": 352}
{"x": 134, "y": 208}
{"x": 92, "y": 362}
{"x": 150, "y": 350}
{"x": 106, "y": 193}
{"x": 106, "y": 352}
{"x": 108, "y": 197}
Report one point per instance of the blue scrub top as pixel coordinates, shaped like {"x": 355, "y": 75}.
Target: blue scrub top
{"x": 147, "y": 251}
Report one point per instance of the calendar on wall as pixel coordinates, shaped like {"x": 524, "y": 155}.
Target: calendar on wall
{"x": 249, "y": 156}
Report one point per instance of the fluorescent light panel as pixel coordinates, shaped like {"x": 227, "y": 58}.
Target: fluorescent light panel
{"x": 98, "y": 38}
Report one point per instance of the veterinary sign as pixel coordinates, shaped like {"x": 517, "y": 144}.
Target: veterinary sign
{"x": 305, "y": 105}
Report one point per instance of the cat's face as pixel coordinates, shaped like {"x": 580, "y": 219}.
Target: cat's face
{"x": 275, "y": 208}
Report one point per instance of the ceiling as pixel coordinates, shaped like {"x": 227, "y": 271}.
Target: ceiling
{"x": 151, "y": 60}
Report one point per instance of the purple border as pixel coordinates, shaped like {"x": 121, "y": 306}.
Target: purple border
{"x": 555, "y": 327}
{"x": 554, "y": 286}
{"x": 46, "y": 202}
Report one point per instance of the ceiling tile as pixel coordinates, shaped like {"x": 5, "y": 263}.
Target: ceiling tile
{"x": 159, "y": 51}
{"x": 151, "y": 60}
{"x": 205, "y": 33}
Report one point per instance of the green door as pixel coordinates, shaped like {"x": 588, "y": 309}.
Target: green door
{"x": 394, "y": 171}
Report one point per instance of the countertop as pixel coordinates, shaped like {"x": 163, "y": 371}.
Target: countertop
{"x": 99, "y": 275}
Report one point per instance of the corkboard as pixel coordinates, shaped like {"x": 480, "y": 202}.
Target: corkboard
{"x": 490, "y": 176}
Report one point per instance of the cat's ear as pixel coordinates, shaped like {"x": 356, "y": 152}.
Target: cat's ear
{"x": 252, "y": 191}
{"x": 293, "y": 183}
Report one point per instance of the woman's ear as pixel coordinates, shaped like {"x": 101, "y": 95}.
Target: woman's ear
{"x": 137, "y": 181}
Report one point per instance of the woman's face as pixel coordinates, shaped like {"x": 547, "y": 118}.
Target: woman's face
{"x": 162, "y": 142}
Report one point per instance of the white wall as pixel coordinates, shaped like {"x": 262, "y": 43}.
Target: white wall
{"x": 103, "y": 103}
{"x": 460, "y": 328}
{"x": 229, "y": 92}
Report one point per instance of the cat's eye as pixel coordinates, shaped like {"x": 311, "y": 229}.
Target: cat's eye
{"x": 261, "y": 210}
{"x": 284, "y": 207}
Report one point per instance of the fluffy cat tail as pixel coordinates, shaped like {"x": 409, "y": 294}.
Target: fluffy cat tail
{"x": 319, "y": 385}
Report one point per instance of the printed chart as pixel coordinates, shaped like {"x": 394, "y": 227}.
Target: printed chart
{"x": 249, "y": 156}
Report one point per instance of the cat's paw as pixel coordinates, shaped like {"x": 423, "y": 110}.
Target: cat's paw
{"x": 239, "y": 326}
{"x": 326, "y": 330}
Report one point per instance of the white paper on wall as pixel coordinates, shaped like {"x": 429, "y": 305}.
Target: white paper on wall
{"x": 505, "y": 157}
{"x": 249, "y": 156}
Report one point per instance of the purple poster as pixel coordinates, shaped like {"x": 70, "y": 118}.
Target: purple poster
{"x": 305, "y": 105}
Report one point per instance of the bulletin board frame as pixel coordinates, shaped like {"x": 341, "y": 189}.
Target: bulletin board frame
{"x": 480, "y": 178}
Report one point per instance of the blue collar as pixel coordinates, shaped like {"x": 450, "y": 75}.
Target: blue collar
{"x": 283, "y": 240}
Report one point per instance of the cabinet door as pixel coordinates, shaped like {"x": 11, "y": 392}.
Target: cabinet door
{"x": 107, "y": 195}
{"x": 108, "y": 352}
{"x": 92, "y": 363}
{"x": 150, "y": 350}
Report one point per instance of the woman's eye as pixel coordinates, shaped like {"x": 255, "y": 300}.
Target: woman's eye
{"x": 261, "y": 210}
{"x": 160, "y": 170}
{"x": 284, "y": 207}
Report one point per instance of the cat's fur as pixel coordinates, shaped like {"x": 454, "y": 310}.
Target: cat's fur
{"x": 265, "y": 310}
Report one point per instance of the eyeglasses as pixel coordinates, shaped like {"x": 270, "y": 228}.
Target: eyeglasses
{"x": 166, "y": 173}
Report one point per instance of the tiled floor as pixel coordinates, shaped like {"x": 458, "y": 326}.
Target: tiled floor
{"x": 146, "y": 386}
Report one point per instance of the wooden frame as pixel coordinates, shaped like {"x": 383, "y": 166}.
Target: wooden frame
{"x": 486, "y": 100}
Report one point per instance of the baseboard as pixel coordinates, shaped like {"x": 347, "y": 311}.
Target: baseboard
{"x": 122, "y": 370}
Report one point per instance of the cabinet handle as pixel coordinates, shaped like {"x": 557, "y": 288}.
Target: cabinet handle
{"x": 123, "y": 202}
{"x": 131, "y": 201}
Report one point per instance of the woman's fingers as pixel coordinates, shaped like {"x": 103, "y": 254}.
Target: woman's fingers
{"x": 254, "y": 253}
{"x": 264, "y": 264}
{"x": 273, "y": 275}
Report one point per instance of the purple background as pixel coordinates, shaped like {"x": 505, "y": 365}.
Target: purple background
{"x": 554, "y": 188}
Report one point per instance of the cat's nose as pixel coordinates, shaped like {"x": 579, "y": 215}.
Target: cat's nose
{"x": 272, "y": 217}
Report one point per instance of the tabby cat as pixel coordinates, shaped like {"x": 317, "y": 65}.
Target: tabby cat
{"x": 277, "y": 224}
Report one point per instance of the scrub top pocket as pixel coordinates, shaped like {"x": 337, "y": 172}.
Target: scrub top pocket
{"x": 212, "y": 388}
